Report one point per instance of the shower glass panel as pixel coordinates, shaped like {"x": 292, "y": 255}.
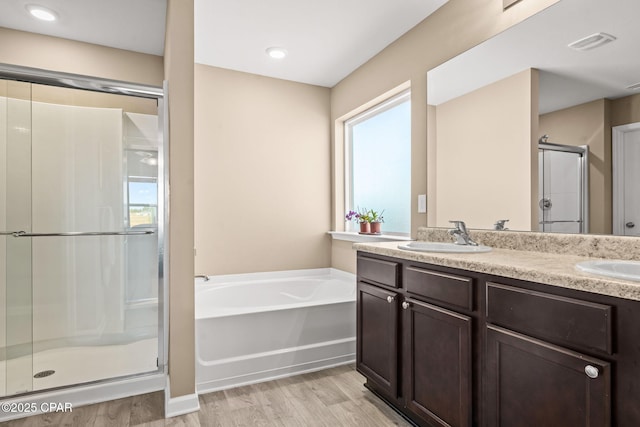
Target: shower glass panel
{"x": 15, "y": 254}
{"x": 84, "y": 272}
{"x": 562, "y": 201}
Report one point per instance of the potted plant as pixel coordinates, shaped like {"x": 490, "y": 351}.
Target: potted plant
{"x": 361, "y": 218}
{"x": 368, "y": 219}
{"x": 376, "y": 221}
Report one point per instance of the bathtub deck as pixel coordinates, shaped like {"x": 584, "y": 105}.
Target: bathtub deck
{"x": 333, "y": 397}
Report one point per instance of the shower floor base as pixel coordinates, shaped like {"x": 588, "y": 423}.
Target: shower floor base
{"x": 76, "y": 365}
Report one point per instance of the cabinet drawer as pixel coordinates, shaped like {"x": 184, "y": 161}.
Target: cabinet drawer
{"x": 379, "y": 271}
{"x": 561, "y": 320}
{"x": 435, "y": 285}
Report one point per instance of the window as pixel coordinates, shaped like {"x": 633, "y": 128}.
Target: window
{"x": 378, "y": 162}
{"x": 142, "y": 188}
{"x": 143, "y": 201}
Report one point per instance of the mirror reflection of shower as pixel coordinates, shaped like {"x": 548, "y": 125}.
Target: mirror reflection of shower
{"x": 563, "y": 200}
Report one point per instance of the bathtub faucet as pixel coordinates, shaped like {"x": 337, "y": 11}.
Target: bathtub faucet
{"x": 202, "y": 276}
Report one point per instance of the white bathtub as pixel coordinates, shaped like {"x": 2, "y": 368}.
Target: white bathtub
{"x": 261, "y": 326}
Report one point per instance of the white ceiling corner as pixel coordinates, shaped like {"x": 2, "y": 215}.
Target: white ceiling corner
{"x": 326, "y": 40}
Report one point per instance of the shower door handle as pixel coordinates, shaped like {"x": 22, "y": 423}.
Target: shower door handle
{"x": 545, "y": 204}
{"x": 81, "y": 233}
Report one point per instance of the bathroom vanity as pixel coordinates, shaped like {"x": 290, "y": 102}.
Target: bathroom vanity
{"x": 509, "y": 337}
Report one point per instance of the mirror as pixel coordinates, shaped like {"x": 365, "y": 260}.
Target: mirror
{"x": 489, "y": 107}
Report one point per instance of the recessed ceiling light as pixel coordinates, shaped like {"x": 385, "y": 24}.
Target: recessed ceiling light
{"x": 276, "y": 52}
{"x": 42, "y": 13}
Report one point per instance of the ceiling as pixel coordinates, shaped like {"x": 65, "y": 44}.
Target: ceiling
{"x": 326, "y": 40}
{"x": 136, "y": 25}
{"x": 567, "y": 77}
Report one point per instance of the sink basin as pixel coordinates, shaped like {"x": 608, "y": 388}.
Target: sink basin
{"x": 443, "y": 247}
{"x": 628, "y": 270}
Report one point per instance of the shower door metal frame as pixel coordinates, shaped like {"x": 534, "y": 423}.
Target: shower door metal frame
{"x": 618, "y": 169}
{"x": 117, "y": 87}
{"x": 583, "y": 164}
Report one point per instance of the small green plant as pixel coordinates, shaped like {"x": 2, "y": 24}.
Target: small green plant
{"x": 375, "y": 216}
{"x": 365, "y": 215}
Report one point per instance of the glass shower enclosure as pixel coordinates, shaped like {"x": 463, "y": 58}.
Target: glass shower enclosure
{"x": 563, "y": 186}
{"x": 81, "y": 222}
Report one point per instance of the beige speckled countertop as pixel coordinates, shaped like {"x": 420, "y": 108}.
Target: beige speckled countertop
{"x": 551, "y": 268}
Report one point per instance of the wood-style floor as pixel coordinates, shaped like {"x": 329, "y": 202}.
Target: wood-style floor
{"x": 331, "y": 398}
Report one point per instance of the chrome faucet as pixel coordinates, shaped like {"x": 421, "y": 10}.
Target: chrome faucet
{"x": 460, "y": 234}
{"x": 499, "y": 225}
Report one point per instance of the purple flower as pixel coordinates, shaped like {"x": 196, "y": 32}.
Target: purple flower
{"x": 352, "y": 215}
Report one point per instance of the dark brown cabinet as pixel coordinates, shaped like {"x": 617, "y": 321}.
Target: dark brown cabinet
{"x": 448, "y": 347}
{"x": 437, "y": 363}
{"x": 377, "y": 337}
{"x": 416, "y": 354}
{"x": 533, "y": 383}
{"x": 528, "y": 338}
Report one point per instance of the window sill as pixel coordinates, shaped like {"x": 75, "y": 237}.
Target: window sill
{"x": 352, "y": 236}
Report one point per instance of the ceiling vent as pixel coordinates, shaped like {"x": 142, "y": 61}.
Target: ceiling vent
{"x": 591, "y": 42}
{"x": 634, "y": 86}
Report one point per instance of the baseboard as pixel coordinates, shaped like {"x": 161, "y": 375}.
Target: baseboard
{"x": 175, "y": 406}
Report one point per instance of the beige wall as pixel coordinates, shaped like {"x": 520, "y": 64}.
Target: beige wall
{"x": 625, "y": 110}
{"x": 483, "y": 155}
{"x": 454, "y": 28}
{"x": 179, "y": 72}
{"x": 52, "y": 53}
{"x": 343, "y": 257}
{"x": 66, "y": 96}
{"x": 588, "y": 124}
{"x": 261, "y": 173}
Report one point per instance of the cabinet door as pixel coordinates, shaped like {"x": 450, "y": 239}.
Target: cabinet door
{"x": 377, "y": 337}
{"x": 437, "y": 364}
{"x": 533, "y": 383}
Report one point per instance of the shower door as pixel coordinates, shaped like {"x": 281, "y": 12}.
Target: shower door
{"x": 563, "y": 188}
{"x": 16, "y": 335}
{"x": 79, "y": 208}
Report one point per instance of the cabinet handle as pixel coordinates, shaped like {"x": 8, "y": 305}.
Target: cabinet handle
{"x": 405, "y": 305}
{"x": 390, "y": 299}
{"x": 591, "y": 371}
